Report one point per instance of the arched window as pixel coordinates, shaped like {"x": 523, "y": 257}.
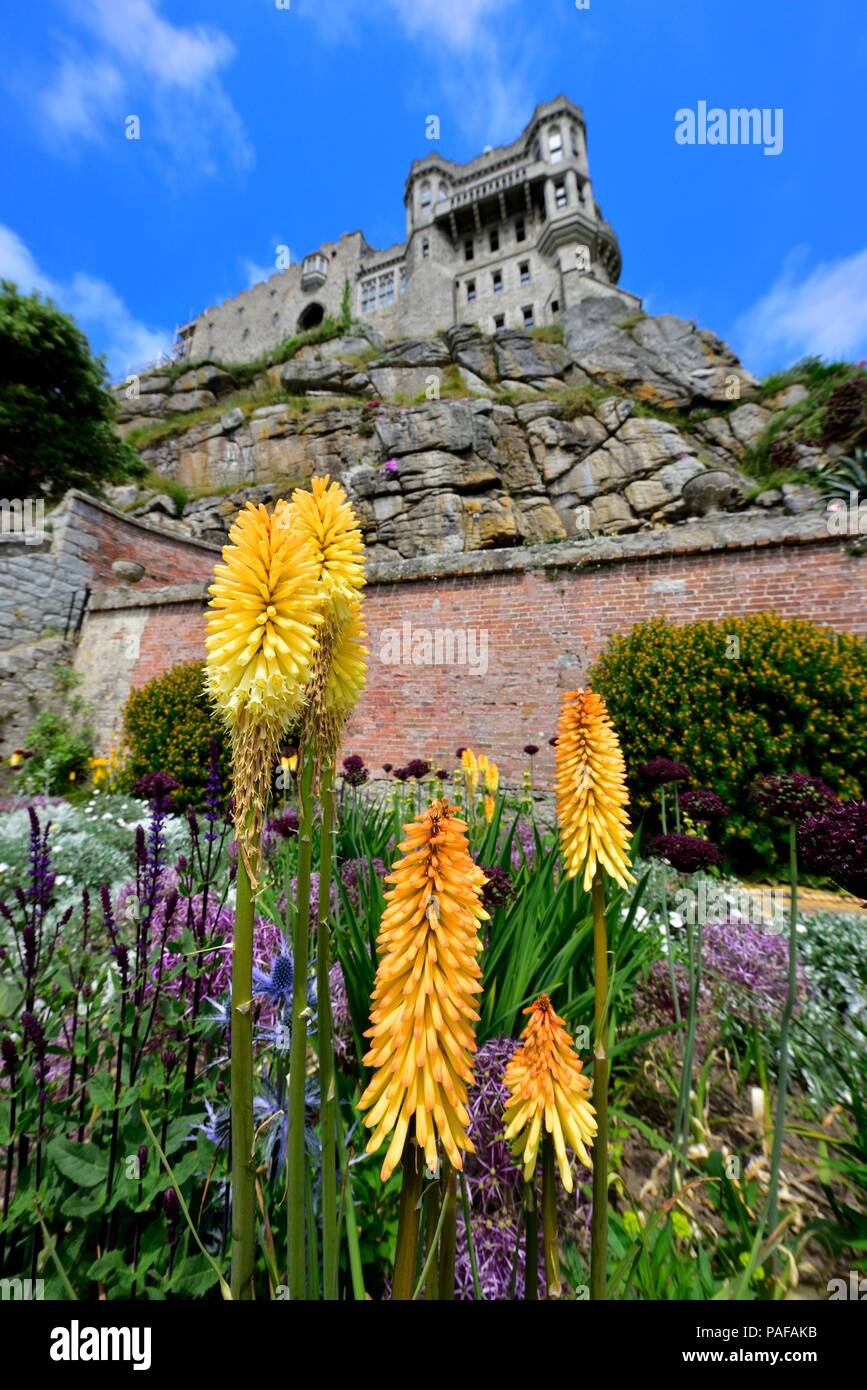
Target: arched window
{"x": 425, "y": 197}
{"x": 425, "y": 248}
{"x": 576, "y": 144}
{"x": 555, "y": 144}
{"x": 442, "y": 193}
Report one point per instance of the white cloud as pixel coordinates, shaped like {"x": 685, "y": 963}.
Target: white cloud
{"x": 96, "y": 307}
{"x": 490, "y": 96}
{"x": 167, "y": 74}
{"x": 256, "y": 273}
{"x": 810, "y": 310}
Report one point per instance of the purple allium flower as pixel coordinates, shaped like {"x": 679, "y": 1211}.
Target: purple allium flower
{"x": 523, "y": 845}
{"x": 359, "y": 869}
{"x": 417, "y": 768}
{"x": 441, "y": 774}
{"x": 459, "y": 752}
{"x": 402, "y": 774}
{"x": 531, "y": 749}
{"x": 663, "y": 770}
{"x": 276, "y": 984}
{"x": 742, "y": 962}
{"x": 686, "y": 853}
{"x": 553, "y": 741}
{"x": 157, "y": 788}
{"x": 341, "y": 1018}
{"x": 386, "y": 767}
{"x": 701, "y": 805}
{"x": 835, "y": 843}
{"x": 354, "y": 771}
{"x": 499, "y": 889}
{"x": 279, "y": 828}
{"x": 791, "y": 795}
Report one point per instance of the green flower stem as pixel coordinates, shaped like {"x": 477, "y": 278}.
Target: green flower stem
{"x": 531, "y": 1247}
{"x": 788, "y": 1010}
{"x": 549, "y": 1219}
{"x": 682, "y": 1119}
{"x": 243, "y": 1175}
{"x": 295, "y": 1197}
{"x": 327, "y": 1071}
{"x": 448, "y": 1239}
{"x": 471, "y": 1245}
{"x": 408, "y": 1221}
{"x": 599, "y": 1225}
{"x": 431, "y": 1227}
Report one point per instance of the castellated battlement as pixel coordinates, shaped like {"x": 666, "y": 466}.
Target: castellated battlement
{"x": 507, "y": 241}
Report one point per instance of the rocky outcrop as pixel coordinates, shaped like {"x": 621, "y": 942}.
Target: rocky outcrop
{"x": 464, "y": 442}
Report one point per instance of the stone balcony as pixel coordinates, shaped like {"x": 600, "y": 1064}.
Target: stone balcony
{"x": 314, "y": 272}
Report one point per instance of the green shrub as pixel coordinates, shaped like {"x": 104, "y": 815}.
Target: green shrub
{"x": 168, "y": 725}
{"x": 59, "y": 747}
{"x": 734, "y": 699}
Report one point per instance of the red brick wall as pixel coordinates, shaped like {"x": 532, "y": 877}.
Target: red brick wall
{"x": 166, "y": 559}
{"x": 543, "y": 631}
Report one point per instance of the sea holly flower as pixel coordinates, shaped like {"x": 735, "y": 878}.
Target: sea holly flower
{"x": 591, "y": 791}
{"x": 423, "y": 1004}
{"x": 277, "y": 985}
{"x": 547, "y": 1087}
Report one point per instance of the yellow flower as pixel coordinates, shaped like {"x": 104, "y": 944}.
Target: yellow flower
{"x": 261, "y": 644}
{"x": 490, "y": 773}
{"x": 591, "y": 791}
{"x": 546, "y": 1084}
{"x": 471, "y": 770}
{"x": 348, "y": 671}
{"x": 326, "y": 517}
{"x": 72, "y": 776}
{"x": 489, "y": 808}
{"x": 423, "y": 1004}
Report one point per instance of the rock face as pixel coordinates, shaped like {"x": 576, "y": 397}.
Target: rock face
{"x": 465, "y": 442}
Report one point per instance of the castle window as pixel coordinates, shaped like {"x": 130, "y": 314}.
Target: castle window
{"x": 495, "y": 240}
{"x": 524, "y": 268}
{"x": 560, "y": 193}
{"x": 520, "y": 230}
{"x": 425, "y": 197}
{"x": 425, "y": 248}
{"x": 576, "y": 147}
{"x": 469, "y": 250}
{"x": 499, "y": 322}
{"x": 555, "y": 306}
{"x": 497, "y": 280}
{"x": 368, "y": 296}
{"x": 555, "y": 145}
{"x": 471, "y": 290}
{"x": 386, "y": 289}
{"x": 403, "y": 280}
{"x": 529, "y": 316}
{"x": 442, "y": 193}
{"x": 537, "y": 151}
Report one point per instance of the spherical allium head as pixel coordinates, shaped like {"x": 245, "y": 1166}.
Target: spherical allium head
{"x": 531, "y": 749}
{"x": 547, "y": 1086}
{"x": 282, "y": 826}
{"x": 702, "y": 805}
{"x": 835, "y": 843}
{"x": 790, "y": 796}
{"x": 442, "y": 774}
{"x": 401, "y": 774}
{"x": 423, "y": 1004}
{"x": 660, "y": 771}
{"x": 499, "y": 890}
{"x": 686, "y": 853}
{"x": 354, "y": 771}
{"x": 553, "y": 741}
{"x": 591, "y": 791}
{"x": 325, "y": 516}
{"x": 417, "y": 768}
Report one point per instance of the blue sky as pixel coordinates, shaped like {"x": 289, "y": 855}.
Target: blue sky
{"x": 266, "y": 124}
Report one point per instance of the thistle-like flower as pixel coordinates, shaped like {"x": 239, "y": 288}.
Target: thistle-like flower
{"x": 591, "y": 791}
{"x": 423, "y": 1005}
{"x": 547, "y": 1086}
{"x": 261, "y": 644}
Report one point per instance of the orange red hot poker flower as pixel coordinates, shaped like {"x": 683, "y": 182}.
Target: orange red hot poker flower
{"x": 423, "y": 1006}
{"x": 547, "y": 1087}
{"x": 591, "y": 791}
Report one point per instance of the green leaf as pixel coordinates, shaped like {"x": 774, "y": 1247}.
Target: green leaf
{"x": 83, "y": 1164}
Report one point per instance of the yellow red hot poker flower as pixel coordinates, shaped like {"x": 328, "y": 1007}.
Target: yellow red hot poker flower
{"x": 591, "y": 791}
{"x": 547, "y": 1089}
{"x": 261, "y": 644}
{"x": 423, "y": 1005}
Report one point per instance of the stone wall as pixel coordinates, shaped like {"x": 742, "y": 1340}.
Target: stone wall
{"x": 494, "y": 638}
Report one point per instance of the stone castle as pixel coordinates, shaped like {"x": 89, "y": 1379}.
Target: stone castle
{"x": 507, "y": 241}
